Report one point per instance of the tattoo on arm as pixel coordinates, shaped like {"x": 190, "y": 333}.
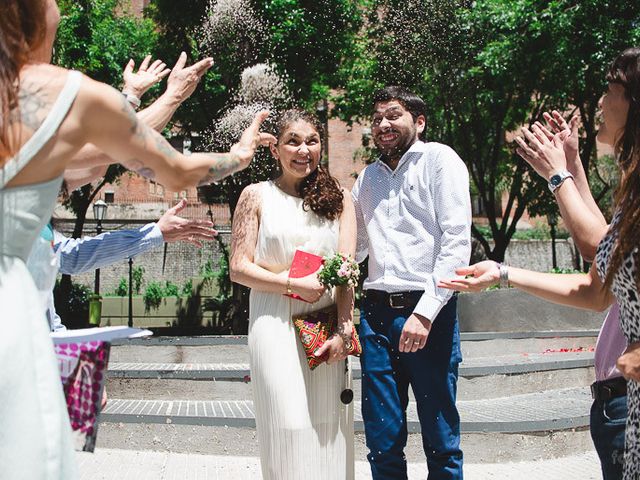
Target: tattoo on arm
{"x": 136, "y": 128}
{"x": 226, "y": 164}
{"x": 33, "y": 106}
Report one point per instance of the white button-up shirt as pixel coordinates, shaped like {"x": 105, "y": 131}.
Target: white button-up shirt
{"x": 414, "y": 222}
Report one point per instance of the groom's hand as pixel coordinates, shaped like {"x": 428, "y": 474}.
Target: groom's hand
{"x": 414, "y": 333}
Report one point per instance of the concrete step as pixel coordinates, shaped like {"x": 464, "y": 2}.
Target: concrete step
{"x": 472, "y": 367}
{"x": 480, "y": 377}
{"x": 535, "y": 412}
{"x": 233, "y": 349}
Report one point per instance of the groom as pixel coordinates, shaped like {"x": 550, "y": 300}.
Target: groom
{"x": 414, "y": 220}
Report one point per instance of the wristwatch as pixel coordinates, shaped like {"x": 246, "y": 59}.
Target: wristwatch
{"x": 557, "y": 178}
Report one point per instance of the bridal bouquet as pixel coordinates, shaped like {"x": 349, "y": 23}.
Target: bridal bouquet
{"x": 339, "y": 269}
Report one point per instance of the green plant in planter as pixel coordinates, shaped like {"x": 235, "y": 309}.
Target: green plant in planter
{"x": 153, "y": 295}
{"x": 171, "y": 289}
{"x": 138, "y": 275}
{"x": 77, "y": 306}
{"x": 122, "y": 290}
{"x": 187, "y": 288}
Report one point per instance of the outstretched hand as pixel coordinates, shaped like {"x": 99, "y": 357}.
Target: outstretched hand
{"x": 251, "y": 139}
{"x": 474, "y": 278}
{"x": 183, "y": 81}
{"x": 175, "y": 228}
{"x": 137, "y": 83}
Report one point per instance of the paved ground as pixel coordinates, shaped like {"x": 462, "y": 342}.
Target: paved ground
{"x": 108, "y": 464}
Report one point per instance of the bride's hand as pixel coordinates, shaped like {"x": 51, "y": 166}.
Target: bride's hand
{"x": 334, "y": 349}
{"x": 251, "y": 139}
{"x": 309, "y": 288}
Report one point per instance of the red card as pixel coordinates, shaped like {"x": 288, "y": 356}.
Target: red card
{"x": 304, "y": 263}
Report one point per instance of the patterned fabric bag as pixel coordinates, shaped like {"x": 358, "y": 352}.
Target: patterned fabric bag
{"x": 314, "y": 328}
{"x": 83, "y": 368}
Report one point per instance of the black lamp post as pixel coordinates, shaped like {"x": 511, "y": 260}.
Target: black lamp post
{"x": 322, "y": 111}
{"x": 552, "y": 218}
{"x": 130, "y": 322}
{"x": 99, "y": 211}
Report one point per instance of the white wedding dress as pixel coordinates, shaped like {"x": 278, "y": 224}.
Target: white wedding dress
{"x": 35, "y": 434}
{"x": 304, "y": 431}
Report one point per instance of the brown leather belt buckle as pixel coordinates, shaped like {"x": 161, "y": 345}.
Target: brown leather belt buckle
{"x": 397, "y": 300}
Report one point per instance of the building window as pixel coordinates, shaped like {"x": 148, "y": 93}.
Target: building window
{"x": 152, "y": 186}
{"x": 109, "y": 197}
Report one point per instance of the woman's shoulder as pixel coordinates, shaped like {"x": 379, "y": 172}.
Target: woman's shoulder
{"x": 252, "y": 194}
{"x": 43, "y": 80}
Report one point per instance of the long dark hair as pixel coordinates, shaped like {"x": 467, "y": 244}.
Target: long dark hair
{"x": 625, "y": 70}
{"x": 321, "y": 193}
{"x": 22, "y": 30}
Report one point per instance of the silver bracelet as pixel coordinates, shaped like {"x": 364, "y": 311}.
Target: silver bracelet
{"x": 132, "y": 99}
{"x": 504, "y": 275}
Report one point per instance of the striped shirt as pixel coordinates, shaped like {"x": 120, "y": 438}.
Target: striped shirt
{"x": 78, "y": 255}
{"x": 414, "y": 222}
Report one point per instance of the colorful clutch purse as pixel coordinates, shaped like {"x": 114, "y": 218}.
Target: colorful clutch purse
{"x": 314, "y": 328}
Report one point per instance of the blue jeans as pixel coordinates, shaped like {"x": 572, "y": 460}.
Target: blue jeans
{"x": 432, "y": 373}
{"x": 607, "y": 424}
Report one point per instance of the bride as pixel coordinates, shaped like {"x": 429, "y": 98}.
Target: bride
{"x": 303, "y": 429}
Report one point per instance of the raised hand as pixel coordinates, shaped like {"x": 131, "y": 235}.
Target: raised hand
{"x": 182, "y": 80}
{"x": 137, "y": 83}
{"x": 545, "y": 154}
{"x": 474, "y": 278}
{"x": 175, "y": 228}
{"x": 569, "y": 133}
{"x": 251, "y": 139}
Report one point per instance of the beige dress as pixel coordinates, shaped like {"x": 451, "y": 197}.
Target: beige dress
{"x": 304, "y": 431}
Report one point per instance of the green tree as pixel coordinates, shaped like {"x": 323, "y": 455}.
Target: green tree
{"x": 303, "y": 41}
{"x": 485, "y": 68}
{"x": 97, "y": 37}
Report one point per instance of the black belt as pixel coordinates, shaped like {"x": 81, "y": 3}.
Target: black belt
{"x": 607, "y": 389}
{"x": 395, "y": 300}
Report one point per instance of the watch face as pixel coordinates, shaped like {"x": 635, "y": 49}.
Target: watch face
{"x": 555, "y": 180}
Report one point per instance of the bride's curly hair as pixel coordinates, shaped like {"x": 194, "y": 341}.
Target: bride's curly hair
{"x": 321, "y": 193}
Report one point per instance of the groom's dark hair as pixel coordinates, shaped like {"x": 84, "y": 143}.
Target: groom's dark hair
{"x": 409, "y": 100}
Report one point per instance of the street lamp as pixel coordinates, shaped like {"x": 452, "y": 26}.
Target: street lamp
{"x": 99, "y": 211}
{"x": 552, "y": 219}
{"x": 322, "y": 112}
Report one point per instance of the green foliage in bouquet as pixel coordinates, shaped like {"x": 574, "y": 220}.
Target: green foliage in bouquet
{"x": 339, "y": 270}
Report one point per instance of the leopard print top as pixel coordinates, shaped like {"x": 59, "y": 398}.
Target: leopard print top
{"x": 626, "y": 292}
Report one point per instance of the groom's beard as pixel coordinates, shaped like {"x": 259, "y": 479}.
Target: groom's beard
{"x": 395, "y": 152}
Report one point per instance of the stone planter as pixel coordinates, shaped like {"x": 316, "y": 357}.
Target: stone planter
{"x": 511, "y": 310}
{"x": 115, "y": 311}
